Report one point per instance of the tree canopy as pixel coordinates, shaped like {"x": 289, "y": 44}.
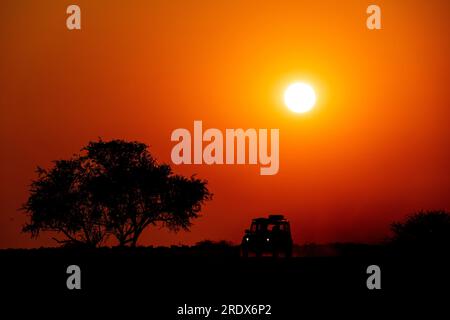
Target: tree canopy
{"x": 111, "y": 188}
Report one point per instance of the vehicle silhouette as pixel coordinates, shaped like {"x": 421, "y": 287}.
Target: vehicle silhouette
{"x": 268, "y": 235}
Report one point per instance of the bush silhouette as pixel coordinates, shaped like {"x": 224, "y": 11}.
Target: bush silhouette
{"x": 111, "y": 188}
{"x": 424, "y": 228}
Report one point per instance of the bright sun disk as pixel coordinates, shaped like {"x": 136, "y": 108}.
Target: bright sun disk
{"x": 300, "y": 97}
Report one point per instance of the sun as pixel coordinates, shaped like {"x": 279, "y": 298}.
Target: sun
{"x": 300, "y": 97}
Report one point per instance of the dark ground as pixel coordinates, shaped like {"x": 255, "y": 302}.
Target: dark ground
{"x": 155, "y": 281}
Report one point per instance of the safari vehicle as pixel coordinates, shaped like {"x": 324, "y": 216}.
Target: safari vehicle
{"x": 268, "y": 235}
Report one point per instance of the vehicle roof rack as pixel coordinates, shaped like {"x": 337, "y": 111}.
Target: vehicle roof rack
{"x": 276, "y": 217}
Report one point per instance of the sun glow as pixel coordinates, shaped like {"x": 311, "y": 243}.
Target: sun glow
{"x": 300, "y": 97}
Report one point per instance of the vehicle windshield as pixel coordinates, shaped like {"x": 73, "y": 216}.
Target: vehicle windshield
{"x": 269, "y": 227}
{"x": 257, "y": 227}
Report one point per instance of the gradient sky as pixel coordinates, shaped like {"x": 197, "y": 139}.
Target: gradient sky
{"x": 375, "y": 148}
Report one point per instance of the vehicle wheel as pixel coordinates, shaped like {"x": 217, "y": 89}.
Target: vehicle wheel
{"x": 289, "y": 253}
{"x": 275, "y": 253}
{"x": 244, "y": 252}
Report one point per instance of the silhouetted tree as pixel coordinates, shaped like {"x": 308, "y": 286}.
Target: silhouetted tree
{"x": 124, "y": 190}
{"x": 424, "y": 228}
{"x": 59, "y": 202}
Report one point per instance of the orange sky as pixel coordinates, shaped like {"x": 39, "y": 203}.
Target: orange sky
{"x": 375, "y": 148}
